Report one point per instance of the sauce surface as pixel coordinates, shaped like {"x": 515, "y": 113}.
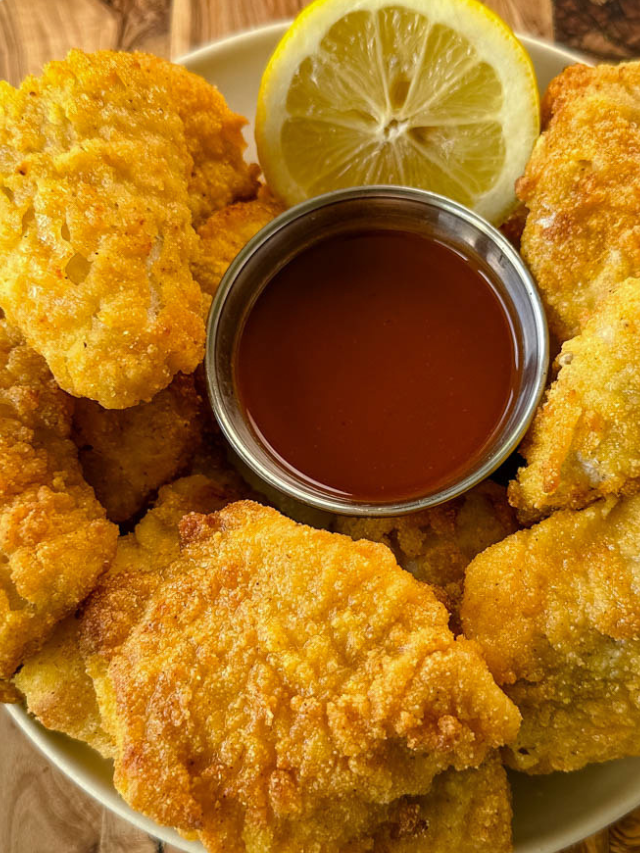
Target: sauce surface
{"x": 377, "y": 365}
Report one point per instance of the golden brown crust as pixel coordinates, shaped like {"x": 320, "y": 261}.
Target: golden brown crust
{"x": 63, "y": 684}
{"x": 9, "y": 693}
{"x": 54, "y": 538}
{"x": 556, "y": 611}
{"x": 466, "y": 811}
{"x": 284, "y": 684}
{"x": 58, "y": 691}
{"x": 225, "y": 233}
{"x": 437, "y": 544}
{"x": 584, "y": 442}
{"x": 105, "y": 160}
{"x": 213, "y": 134}
{"x": 126, "y": 455}
{"x": 582, "y": 234}
{"x": 116, "y": 603}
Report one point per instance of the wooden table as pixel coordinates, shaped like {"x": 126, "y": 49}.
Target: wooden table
{"x": 40, "y": 810}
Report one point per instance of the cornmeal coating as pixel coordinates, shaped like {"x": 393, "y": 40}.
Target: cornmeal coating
{"x": 58, "y": 690}
{"x": 582, "y": 234}
{"x": 9, "y": 694}
{"x": 56, "y": 682}
{"x": 213, "y": 134}
{"x": 54, "y": 538}
{"x": 118, "y": 602}
{"x": 437, "y": 544}
{"x": 556, "y": 611}
{"x": 467, "y": 810}
{"x": 127, "y": 454}
{"x": 96, "y": 235}
{"x": 584, "y": 442}
{"x": 226, "y": 232}
{"x": 284, "y": 686}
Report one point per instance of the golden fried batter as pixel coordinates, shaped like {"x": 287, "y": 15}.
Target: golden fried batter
{"x": 58, "y": 690}
{"x": 55, "y": 682}
{"x": 582, "y": 234}
{"x": 225, "y": 233}
{"x": 437, "y": 544}
{"x": 100, "y": 177}
{"x": 126, "y": 455}
{"x": 585, "y": 440}
{"x": 8, "y": 692}
{"x": 556, "y": 610}
{"x": 285, "y": 685}
{"x": 467, "y": 810}
{"x": 213, "y": 134}
{"x": 54, "y": 538}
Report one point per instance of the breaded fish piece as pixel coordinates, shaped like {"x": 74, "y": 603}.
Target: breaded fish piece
{"x": 55, "y": 541}
{"x": 584, "y": 442}
{"x": 437, "y": 544}
{"x": 284, "y": 686}
{"x": 98, "y": 189}
{"x": 226, "y": 232}
{"x": 55, "y": 682}
{"x": 213, "y": 133}
{"x": 9, "y": 694}
{"x": 556, "y": 611}
{"x": 582, "y": 234}
{"x": 467, "y": 810}
{"x": 127, "y": 454}
{"x": 59, "y": 692}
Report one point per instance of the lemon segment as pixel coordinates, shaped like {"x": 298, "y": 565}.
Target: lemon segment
{"x": 435, "y": 94}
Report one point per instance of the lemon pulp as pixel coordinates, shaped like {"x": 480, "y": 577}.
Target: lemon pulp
{"x": 387, "y": 94}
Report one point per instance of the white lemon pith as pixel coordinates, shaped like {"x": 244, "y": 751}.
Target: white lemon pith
{"x": 436, "y": 94}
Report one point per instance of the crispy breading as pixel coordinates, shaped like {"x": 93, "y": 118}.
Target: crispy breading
{"x": 55, "y": 682}
{"x": 285, "y": 685}
{"x": 126, "y": 455}
{"x": 437, "y": 544}
{"x": 226, "y": 232}
{"x": 96, "y": 237}
{"x": 582, "y": 234}
{"x": 9, "y": 694}
{"x": 556, "y": 611}
{"x": 58, "y": 690}
{"x": 584, "y": 442}
{"x": 213, "y": 133}
{"x": 467, "y": 810}
{"x": 54, "y": 538}
{"x": 116, "y": 603}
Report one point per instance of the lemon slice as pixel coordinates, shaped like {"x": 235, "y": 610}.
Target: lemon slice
{"x": 436, "y": 94}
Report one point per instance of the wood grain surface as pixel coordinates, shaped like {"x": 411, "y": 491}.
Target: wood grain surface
{"x": 41, "y": 811}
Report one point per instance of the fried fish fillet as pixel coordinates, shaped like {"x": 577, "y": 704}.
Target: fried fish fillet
{"x": 58, "y": 690}
{"x": 104, "y": 161}
{"x": 55, "y": 682}
{"x": 284, "y": 686}
{"x": 213, "y": 134}
{"x": 54, "y": 538}
{"x": 127, "y": 454}
{"x": 582, "y": 234}
{"x": 467, "y": 810}
{"x": 9, "y": 694}
{"x": 437, "y": 544}
{"x": 226, "y": 232}
{"x": 556, "y": 611}
{"x": 585, "y": 439}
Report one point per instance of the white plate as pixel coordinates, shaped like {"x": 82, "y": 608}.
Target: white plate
{"x": 551, "y": 812}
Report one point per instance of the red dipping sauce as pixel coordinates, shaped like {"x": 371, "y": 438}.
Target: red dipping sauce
{"x": 378, "y": 365}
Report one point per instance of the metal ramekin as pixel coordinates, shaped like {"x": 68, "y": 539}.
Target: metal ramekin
{"x": 343, "y": 211}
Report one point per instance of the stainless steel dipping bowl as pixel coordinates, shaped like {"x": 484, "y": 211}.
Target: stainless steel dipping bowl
{"x": 348, "y": 211}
